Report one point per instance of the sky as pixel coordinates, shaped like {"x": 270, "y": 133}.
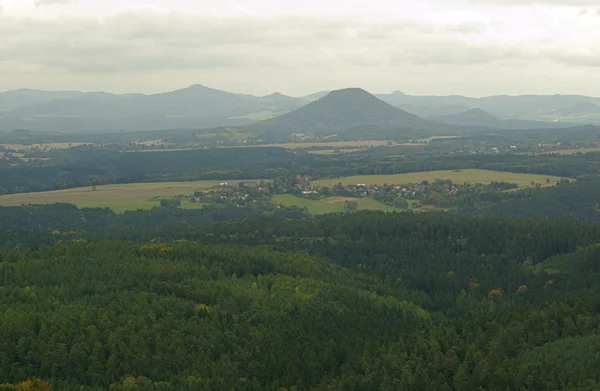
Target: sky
{"x": 420, "y": 47}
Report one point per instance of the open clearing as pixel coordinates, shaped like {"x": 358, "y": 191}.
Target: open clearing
{"x": 357, "y": 145}
{"x": 119, "y": 198}
{"x": 333, "y": 144}
{"x": 45, "y": 146}
{"x": 464, "y": 176}
{"x": 573, "y": 151}
{"x": 330, "y": 205}
{"x": 333, "y": 151}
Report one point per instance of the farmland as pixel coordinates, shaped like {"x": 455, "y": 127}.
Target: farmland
{"x": 333, "y": 151}
{"x": 463, "y": 176}
{"x": 45, "y": 146}
{"x": 571, "y": 151}
{"x": 119, "y": 198}
{"x": 330, "y": 205}
{"x": 332, "y": 144}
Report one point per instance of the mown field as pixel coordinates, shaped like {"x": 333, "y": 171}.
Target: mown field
{"x": 334, "y": 151}
{"x": 330, "y": 205}
{"x": 463, "y": 176}
{"x": 572, "y": 151}
{"x": 45, "y": 146}
{"x": 117, "y": 197}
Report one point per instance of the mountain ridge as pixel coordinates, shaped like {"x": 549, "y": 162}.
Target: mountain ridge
{"x": 200, "y": 107}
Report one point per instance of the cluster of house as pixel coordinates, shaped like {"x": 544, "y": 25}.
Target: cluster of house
{"x": 407, "y": 191}
{"x": 236, "y": 194}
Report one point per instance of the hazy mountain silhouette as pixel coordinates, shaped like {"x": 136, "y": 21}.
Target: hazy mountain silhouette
{"x": 193, "y": 107}
{"x": 344, "y": 110}
{"x": 479, "y": 117}
{"x": 199, "y": 107}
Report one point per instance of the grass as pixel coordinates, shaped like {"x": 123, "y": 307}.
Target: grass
{"x": 330, "y": 205}
{"x": 464, "y": 176}
{"x": 119, "y": 198}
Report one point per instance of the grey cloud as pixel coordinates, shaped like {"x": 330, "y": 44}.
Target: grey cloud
{"x": 152, "y": 42}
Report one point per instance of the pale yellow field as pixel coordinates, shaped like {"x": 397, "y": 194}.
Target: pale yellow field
{"x": 28, "y": 159}
{"x": 20, "y": 147}
{"x": 333, "y": 151}
{"x": 430, "y": 139}
{"x": 118, "y": 197}
{"x": 363, "y": 144}
{"x": 464, "y": 176}
{"x": 571, "y": 151}
{"x": 333, "y": 144}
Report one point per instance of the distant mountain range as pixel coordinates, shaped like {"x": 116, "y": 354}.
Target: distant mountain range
{"x": 530, "y": 107}
{"x": 342, "y": 110}
{"x": 194, "y": 107}
{"x": 479, "y": 117}
{"x": 199, "y": 107}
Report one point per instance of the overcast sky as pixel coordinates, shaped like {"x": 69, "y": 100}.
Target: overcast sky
{"x": 467, "y": 47}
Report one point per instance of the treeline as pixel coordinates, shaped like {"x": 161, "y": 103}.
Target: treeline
{"x": 70, "y": 217}
{"x": 575, "y": 200}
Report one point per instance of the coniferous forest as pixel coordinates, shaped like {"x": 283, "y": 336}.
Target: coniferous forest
{"x": 365, "y": 301}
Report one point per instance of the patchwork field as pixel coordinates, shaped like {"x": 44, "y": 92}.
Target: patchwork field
{"x": 463, "y": 176}
{"x": 330, "y": 205}
{"x": 119, "y": 198}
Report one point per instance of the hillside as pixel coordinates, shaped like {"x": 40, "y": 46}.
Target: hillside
{"x": 584, "y": 107}
{"x": 193, "y": 107}
{"x": 343, "y": 110}
{"x": 479, "y": 117}
{"x": 528, "y": 107}
{"x": 10, "y": 100}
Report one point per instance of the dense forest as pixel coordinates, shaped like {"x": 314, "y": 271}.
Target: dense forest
{"x": 85, "y": 166}
{"x": 366, "y": 301}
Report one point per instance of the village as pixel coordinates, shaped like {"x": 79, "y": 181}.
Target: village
{"x": 259, "y": 194}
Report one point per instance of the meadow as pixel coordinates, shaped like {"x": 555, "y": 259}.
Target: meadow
{"x": 463, "y": 176}
{"x": 119, "y": 198}
{"x": 330, "y": 205}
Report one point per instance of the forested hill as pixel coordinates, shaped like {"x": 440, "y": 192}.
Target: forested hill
{"x": 369, "y": 301}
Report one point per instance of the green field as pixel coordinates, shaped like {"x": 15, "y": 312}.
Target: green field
{"x": 463, "y": 176}
{"x": 330, "y": 205}
{"x": 119, "y": 198}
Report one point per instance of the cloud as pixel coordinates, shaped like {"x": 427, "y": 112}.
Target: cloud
{"x": 570, "y": 3}
{"x": 144, "y": 41}
{"x": 246, "y": 50}
{"x": 40, "y": 3}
